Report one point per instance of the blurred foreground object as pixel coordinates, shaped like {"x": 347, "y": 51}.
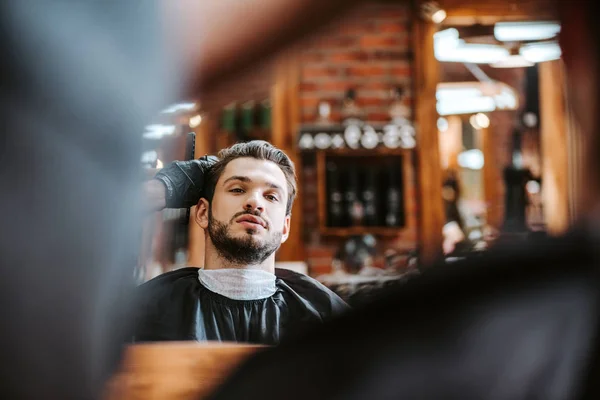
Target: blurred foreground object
{"x": 512, "y": 324}
{"x": 78, "y": 82}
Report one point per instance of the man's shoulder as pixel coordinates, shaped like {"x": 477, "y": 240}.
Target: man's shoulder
{"x": 298, "y": 279}
{"x": 314, "y": 291}
{"x": 168, "y": 279}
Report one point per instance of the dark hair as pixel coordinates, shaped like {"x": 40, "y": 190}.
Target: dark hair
{"x": 260, "y": 150}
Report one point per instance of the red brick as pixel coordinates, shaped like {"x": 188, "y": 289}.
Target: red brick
{"x": 378, "y": 117}
{"x": 308, "y": 118}
{"x": 326, "y": 42}
{"x": 335, "y": 85}
{"x": 403, "y": 71}
{"x": 308, "y": 87}
{"x": 391, "y": 27}
{"x": 376, "y": 85}
{"x": 310, "y": 102}
{"x": 348, "y": 56}
{"x": 360, "y": 27}
{"x": 309, "y": 72}
{"x": 335, "y": 116}
{"x": 381, "y": 41}
{"x": 312, "y": 56}
{"x": 366, "y": 70}
{"x": 389, "y": 55}
{"x": 371, "y": 101}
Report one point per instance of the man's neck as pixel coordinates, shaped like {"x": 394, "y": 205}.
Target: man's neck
{"x": 213, "y": 260}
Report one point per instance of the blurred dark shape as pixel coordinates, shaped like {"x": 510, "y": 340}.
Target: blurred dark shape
{"x": 79, "y": 82}
{"x": 523, "y": 327}
{"x": 357, "y": 252}
{"x": 451, "y": 194}
{"x": 516, "y": 201}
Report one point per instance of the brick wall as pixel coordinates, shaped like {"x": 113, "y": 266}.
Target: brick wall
{"x": 368, "y": 50}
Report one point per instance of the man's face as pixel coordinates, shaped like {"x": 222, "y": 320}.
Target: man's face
{"x": 247, "y": 219}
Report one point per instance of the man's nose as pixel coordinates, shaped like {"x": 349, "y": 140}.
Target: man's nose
{"x": 254, "y": 202}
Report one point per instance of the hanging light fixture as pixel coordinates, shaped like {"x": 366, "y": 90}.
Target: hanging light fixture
{"x": 479, "y": 121}
{"x": 474, "y": 97}
{"x": 540, "y": 52}
{"x": 432, "y": 11}
{"x": 514, "y": 60}
{"x": 526, "y": 31}
{"x": 174, "y": 108}
{"x": 448, "y": 47}
{"x": 157, "y": 131}
{"x": 195, "y": 121}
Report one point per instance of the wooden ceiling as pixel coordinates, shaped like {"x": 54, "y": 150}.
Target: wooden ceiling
{"x": 468, "y": 12}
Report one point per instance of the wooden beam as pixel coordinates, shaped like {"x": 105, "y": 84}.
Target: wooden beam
{"x": 429, "y": 172}
{"x": 285, "y": 122}
{"x": 491, "y": 178}
{"x": 450, "y": 142}
{"x": 554, "y": 141}
{"x": 487, "y": 12}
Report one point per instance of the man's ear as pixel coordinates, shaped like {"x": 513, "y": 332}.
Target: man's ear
{"x": 202, "y": 213}
{"x": 286, "y": 228}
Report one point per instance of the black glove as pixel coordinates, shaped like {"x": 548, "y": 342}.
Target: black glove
{"x": 184, "y": 181}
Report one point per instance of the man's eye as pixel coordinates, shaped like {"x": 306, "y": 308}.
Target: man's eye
{"x": 237, "y": 190}
{"x": 271, "y": 197}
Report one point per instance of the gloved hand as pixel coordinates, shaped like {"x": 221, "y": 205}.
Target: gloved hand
{"x": 184, "y": 181}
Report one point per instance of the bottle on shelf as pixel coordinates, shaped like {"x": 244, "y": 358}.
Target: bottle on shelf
{"x": 393, "y": 198}
{"x": 353, "y": 203}
{"x": 335, "y": 210}
{"x": 350, "y": 109}
{"x": 369, "y": 196}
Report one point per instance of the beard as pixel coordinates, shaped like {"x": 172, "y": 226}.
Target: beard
{"x": 245, "y": 250}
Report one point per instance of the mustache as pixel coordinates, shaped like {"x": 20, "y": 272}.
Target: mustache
{"x": 254, "y": 213}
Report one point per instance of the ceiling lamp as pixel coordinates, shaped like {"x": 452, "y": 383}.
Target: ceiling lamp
{"x": 195, "y": 121}
{"x": 513, "y": 61}
{"x": 474, "y": 97}
{"x": 433, "y": 12}
{"x": 471, "y": 159}
{"x": 540, "y": 52}
{"x": 448, "y": 47}
{"x": 526, "y": 31}
{"x": 479, "y": 121}
{"x": 157, "y": 131}
{"x": 174, "y": 108}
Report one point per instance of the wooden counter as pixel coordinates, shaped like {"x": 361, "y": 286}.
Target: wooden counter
{"x": 176, "y": 370}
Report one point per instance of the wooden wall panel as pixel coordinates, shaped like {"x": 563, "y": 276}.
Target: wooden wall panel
{"x": 429, "y": 172}
{"x": 554, "y": 141}
{"x": 491, "y": 176}
{"x": 285, "y": 123}
{"x": 466, "y": 12}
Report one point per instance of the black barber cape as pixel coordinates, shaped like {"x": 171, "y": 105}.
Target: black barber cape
{"x": 176, "y": 306}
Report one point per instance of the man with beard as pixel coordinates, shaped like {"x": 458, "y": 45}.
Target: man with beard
{"x": 238, "y": 295}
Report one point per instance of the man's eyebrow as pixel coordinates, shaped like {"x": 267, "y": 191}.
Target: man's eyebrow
{"x": 237, "y": 178}
{"x": 245, "y": 179}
